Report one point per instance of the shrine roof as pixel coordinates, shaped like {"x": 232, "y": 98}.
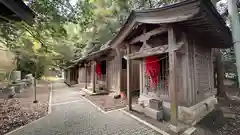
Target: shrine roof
{"x": 16, "y": 10}
{"x": 196, "y": 16}
{"x": 94, "y": 54}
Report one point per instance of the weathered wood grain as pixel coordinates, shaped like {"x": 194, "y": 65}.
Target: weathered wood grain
{"x": 172, "y": 75}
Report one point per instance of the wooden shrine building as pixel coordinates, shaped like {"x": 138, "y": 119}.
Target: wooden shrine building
{"x": 106, "y": 69}
{"x": 173, "y": 48}
{"x": 71, "y": 75}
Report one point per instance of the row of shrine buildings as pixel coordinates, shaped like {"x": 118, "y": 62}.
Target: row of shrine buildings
{"x": 166, "y": 54}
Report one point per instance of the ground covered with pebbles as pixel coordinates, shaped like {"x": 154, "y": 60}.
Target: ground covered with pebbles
{"x": 21, "y": 110}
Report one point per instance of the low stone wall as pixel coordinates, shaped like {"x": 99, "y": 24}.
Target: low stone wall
{"x": 193, "y": 114}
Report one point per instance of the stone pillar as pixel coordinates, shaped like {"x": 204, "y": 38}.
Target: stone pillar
{"x": 16, "y": 76}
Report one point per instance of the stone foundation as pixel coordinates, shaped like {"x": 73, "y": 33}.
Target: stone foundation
{"x": 152, "y": 113}
{"x": 194, "y": 114}
{"x": 155, "y": 114}
{"x": 189, "y": 115}
{"x": 150, "y": 107}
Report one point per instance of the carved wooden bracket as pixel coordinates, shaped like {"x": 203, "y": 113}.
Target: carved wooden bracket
{"x": 182, "y": 48}
{"x": 145, "y": 36}
{"x": 154, "y": 51}
{"x": 144, "y": 47}
{"x": 118, "y": 51}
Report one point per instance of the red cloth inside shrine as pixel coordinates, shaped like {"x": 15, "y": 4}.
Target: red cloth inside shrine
{"x": 152, "y": 69}
{"x": 98, "y": 70}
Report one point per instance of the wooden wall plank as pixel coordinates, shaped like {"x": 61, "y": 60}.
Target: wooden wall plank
{"x": 185, "y": 69}
{"x": 112, "y": 74}
{"x": 191, "y": 80}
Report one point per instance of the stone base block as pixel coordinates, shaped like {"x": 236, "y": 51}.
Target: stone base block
{"x": 194, "y": 114}
{"x": 190, "y": 115}
{"x": 155, "y": 114}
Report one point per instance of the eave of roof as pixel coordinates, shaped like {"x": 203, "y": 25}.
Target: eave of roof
{"x": 20, "y": 9}
{"x": 94, "y": 54}
{"x": 185, "y": 11}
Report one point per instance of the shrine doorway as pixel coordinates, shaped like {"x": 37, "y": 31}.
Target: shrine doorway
{"x": 160, "y": 88}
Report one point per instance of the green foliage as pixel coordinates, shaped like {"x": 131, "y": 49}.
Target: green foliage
{"x": 30, "y": 67}
{"x": 62, "y": 32}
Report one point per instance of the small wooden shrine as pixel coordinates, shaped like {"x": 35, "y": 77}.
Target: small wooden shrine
{"x": 173, "y": 48}
{"x": 71, "y": 75}
{"x": 106, "y": 69}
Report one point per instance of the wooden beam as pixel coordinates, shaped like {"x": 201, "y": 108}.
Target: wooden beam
{"x": 118, "y": 50}
{"x": 123, "y": 32}
{"x": 154, "y": 51}
{"x": 146, "y": 36}
{"x": 141, "y": 76}
{"x": 172, "y": 76}
{"x": 119, "y": 71}
{"x": 144, "y": 46}
{"x": 129, "y": 78}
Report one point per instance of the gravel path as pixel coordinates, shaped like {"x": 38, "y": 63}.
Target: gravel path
{"x": 72, "y": 115}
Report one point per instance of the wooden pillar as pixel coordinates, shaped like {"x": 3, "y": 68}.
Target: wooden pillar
{"x": 141, "y": 76}
{"x": 119, "y": 71}
{"x": 75, "y": 75}
{"x": 172, "y": 76}
{"x": 86, "y": 76}
{"x": 129, "y": 78}
{"x": 106, "y": 80}
{"x": 220, "y": 74}
{"x": 94, "y": 77}
{"x": 69, "y": 76}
